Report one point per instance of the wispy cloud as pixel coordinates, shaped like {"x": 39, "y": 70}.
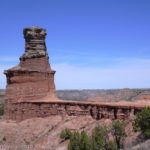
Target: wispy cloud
{"x": 5, "y": 63}
{"x": 2, "y": 76}
{"x": 94, "y": 59}
{"x": 131, "y": 73}
{"x": 6, "y": 59}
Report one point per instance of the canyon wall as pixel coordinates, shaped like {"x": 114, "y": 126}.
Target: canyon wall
{"x": 30, "y": 90}
{"x": 26, "y": 110}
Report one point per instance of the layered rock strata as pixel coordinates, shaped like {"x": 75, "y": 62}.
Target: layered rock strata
{"x": 33, "y": 78}
{"x": 26, "y": 110}
{"x": 30, "y": 90}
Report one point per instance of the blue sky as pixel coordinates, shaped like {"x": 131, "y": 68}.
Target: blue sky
{"x": 92, "y": 44}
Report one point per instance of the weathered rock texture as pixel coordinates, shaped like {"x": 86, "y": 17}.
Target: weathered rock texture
{"x": 44, "y": 133}
{"x": 30, "y": 88}
{"x": 32, "y": 79}
{"x": 26, "y": 110}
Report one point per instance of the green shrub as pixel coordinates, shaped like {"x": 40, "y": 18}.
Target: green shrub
{"x": 66, "y": 134}
{"x": 98, "y": 139}
{"x": 112, "y": 145}
{"x": 74, "y": 143}
{"x": 79, "y": 141}
{"x": 142, "y": 122}
{"x": 84, "y": 141}
{"x": 1, "y": 109}
{"x": 118, "y": 130}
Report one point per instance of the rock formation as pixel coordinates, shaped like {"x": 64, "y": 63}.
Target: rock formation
{"x": 32, "y": 79}
{"x": 30, "y": 88}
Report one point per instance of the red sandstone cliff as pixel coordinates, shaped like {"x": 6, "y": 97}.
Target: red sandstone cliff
{"x": 30, "y": 93}
{"x": 32, "y": 79}
{"x": 30, "y": 88}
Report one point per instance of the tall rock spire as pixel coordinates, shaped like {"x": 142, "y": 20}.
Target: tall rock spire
{"x": 32, "y": 79}
{"x": 35, "y": 56}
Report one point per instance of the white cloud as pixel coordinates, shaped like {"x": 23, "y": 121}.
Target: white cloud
{"x": 5, "y": 63}
{"x": 2, "y": 77}
{"x": 8, "y": 59}
{"x": 126, "y": 73}
{"x": 131, "y": 73}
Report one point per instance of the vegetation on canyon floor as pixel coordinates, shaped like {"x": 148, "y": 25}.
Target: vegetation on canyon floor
{"x": 1, "y": 109}
{"x": 102, "y": 138}
{"x": 107, "y": 137}
{"x": 142, "y": 122}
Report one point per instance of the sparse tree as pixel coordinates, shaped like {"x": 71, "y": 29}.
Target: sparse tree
{"x": 98, "y": 139}
{"x": 74, "y": 143}
{"x": 118, "y": 130}
{"x": 112, "y": 145}
{"x": 1, "y": 109}
{"x": 65, "y": 134}
{"x": 84, "y": 141}
{"x": 142, "y": 122}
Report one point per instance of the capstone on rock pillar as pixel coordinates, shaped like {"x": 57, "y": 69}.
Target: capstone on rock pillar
{"x": 32, "y": 79}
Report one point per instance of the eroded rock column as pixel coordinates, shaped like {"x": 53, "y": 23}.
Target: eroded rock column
{"x": 32, "y": 79}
